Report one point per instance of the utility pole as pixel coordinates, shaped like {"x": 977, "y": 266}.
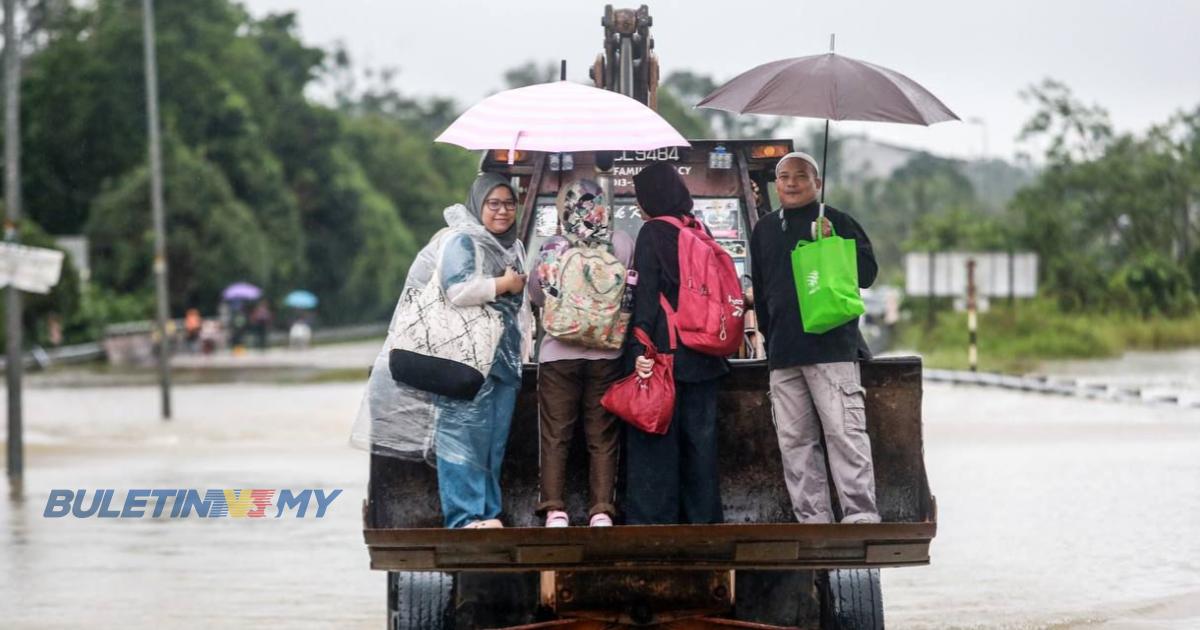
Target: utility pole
{"x": 972, "y": 318}
{"x": 156, "y": 203}
{"x": 12, "y": 204}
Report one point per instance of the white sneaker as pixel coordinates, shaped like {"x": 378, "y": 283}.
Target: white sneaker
{"x": 601, "y": 520}
{"x": 557, "y": 518}
{"x": 862, "y": 517}
{"x": 491, "y": 523}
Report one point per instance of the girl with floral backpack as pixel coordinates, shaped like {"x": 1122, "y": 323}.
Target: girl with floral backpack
{"x": 578, "y": 280}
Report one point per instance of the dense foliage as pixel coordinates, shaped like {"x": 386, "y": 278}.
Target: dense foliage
{"x": 266, "y": 184}
{"x": 262, "y": 184}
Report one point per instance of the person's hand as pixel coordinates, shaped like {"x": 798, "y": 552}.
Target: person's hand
{"x": 510, "y": 282}
{"x": 644, "y": 367}
{"x": 826, "y": 227}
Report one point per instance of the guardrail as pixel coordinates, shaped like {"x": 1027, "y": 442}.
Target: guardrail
{"x": 1062, "y": 386}
{"x": 42, "y": 358}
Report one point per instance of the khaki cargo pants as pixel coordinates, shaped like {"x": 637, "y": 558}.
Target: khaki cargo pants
{"x": 807, "y": 400}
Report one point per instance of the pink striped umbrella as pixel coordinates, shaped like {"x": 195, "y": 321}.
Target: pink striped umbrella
{"x": 561, "y": 117}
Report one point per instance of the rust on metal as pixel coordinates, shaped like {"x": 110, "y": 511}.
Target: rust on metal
{"x": 549, "y": 554}
{"x": 698, "y": 623}
{"x": 898, "y": 553}
{"x": 642, "y": 597}
{"x": 625, "y": 21}
{"x": 731, "y": 546}
{"x": 772, "y": 551}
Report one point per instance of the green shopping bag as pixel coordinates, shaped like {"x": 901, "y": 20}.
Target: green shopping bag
{"x": 826, "y": 276}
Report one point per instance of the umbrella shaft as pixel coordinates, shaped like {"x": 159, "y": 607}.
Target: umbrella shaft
{"x": 825, "y": 161}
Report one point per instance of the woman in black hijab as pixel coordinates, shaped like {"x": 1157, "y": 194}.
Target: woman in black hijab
{"x": 671, "y": 478}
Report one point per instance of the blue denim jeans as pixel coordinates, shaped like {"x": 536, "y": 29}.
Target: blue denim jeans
{"x": 470, "y": 442}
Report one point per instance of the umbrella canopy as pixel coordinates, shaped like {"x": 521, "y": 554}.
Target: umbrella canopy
{"x": 300, "y": 299}
{"x": 241, "y": 291}
{"x": 561, "y": 117}
{"x": 832, "y": 87}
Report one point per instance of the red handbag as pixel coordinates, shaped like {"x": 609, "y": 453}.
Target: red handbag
{"x": 647, "y": 403}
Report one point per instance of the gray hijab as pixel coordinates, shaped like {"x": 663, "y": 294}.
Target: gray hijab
{"x": 484, "y": 184}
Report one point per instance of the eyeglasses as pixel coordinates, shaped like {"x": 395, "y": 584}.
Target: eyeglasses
{"x": 495, "y": 204}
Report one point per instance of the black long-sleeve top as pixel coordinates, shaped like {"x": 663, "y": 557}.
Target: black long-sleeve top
{"x": 775, "y": 302}
{"x": 656, "y": 260}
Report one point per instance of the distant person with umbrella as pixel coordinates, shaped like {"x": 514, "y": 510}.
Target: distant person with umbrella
{"x": 237, "y": 295}
{"x": 300, "y": 332}
{"x": 815, "y": 382}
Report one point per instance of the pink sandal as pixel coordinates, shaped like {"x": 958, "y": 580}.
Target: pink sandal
{"x": 557, "y": 518}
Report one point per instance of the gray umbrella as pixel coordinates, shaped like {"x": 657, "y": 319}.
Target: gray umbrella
{"x": 832, "y": 87}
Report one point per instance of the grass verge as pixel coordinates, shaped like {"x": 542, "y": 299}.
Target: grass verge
{"x": 1018, "y": 339}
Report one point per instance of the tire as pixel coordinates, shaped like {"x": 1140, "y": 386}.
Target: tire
{"x": 420, "y": 600}
{"x": 851, "y": 599}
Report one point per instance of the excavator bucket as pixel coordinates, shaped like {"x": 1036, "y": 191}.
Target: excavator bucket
{"x": 403, "y": 522}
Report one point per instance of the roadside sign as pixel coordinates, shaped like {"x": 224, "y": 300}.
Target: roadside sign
{"x": 997, "y": 274}
{"x": 32, "y": 269}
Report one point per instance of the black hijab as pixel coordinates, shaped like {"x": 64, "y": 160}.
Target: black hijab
{"x": 661, "y": 191}
{"x": 484, "y": 184}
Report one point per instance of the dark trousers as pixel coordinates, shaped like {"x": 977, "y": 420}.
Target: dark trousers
{"x": 673, "y": 478}
{"x": 570, "y": 390}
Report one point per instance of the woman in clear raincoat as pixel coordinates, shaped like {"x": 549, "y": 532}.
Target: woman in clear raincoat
{"x": 478, "y": 261}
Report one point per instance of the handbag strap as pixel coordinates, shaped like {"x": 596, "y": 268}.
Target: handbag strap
{"x": 644, "y": 338}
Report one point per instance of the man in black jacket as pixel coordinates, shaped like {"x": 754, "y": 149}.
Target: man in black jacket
{"x": 815, "y": 382}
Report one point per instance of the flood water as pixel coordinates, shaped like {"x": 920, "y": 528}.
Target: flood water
{"x": 1053, "y": 512}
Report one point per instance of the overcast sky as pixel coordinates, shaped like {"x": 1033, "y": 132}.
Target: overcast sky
{"x": 1139, "y": 59}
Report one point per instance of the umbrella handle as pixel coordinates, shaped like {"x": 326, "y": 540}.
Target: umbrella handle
{"x": 512, "y": 154}
{"x": 819, "y": 226}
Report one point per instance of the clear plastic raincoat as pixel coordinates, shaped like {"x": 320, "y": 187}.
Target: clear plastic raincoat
{"x": 398, "y": 420}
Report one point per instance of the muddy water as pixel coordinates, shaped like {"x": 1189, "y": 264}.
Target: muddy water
{"x": 154, "y": 573}
{"x": 1052, "y": 512}
{"x": 1056, "y": 511}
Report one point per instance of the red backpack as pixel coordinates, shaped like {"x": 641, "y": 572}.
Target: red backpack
{"x": 710, "y": 317}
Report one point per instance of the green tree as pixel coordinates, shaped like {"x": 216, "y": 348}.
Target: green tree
{"x": 63, "y": 300}
{"x": 1110, "y": 212}
{"x": 419, "y": 178}
{"x": 914, "y": 208}
{"x": 213, "y": 238}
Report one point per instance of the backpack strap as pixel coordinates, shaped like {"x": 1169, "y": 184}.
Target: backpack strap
{"x": 666, "y": 307}
{"x": 670, "y": 220}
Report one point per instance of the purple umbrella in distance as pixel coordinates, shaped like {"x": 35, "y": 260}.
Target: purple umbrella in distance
{"x": 241, "y": 291}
